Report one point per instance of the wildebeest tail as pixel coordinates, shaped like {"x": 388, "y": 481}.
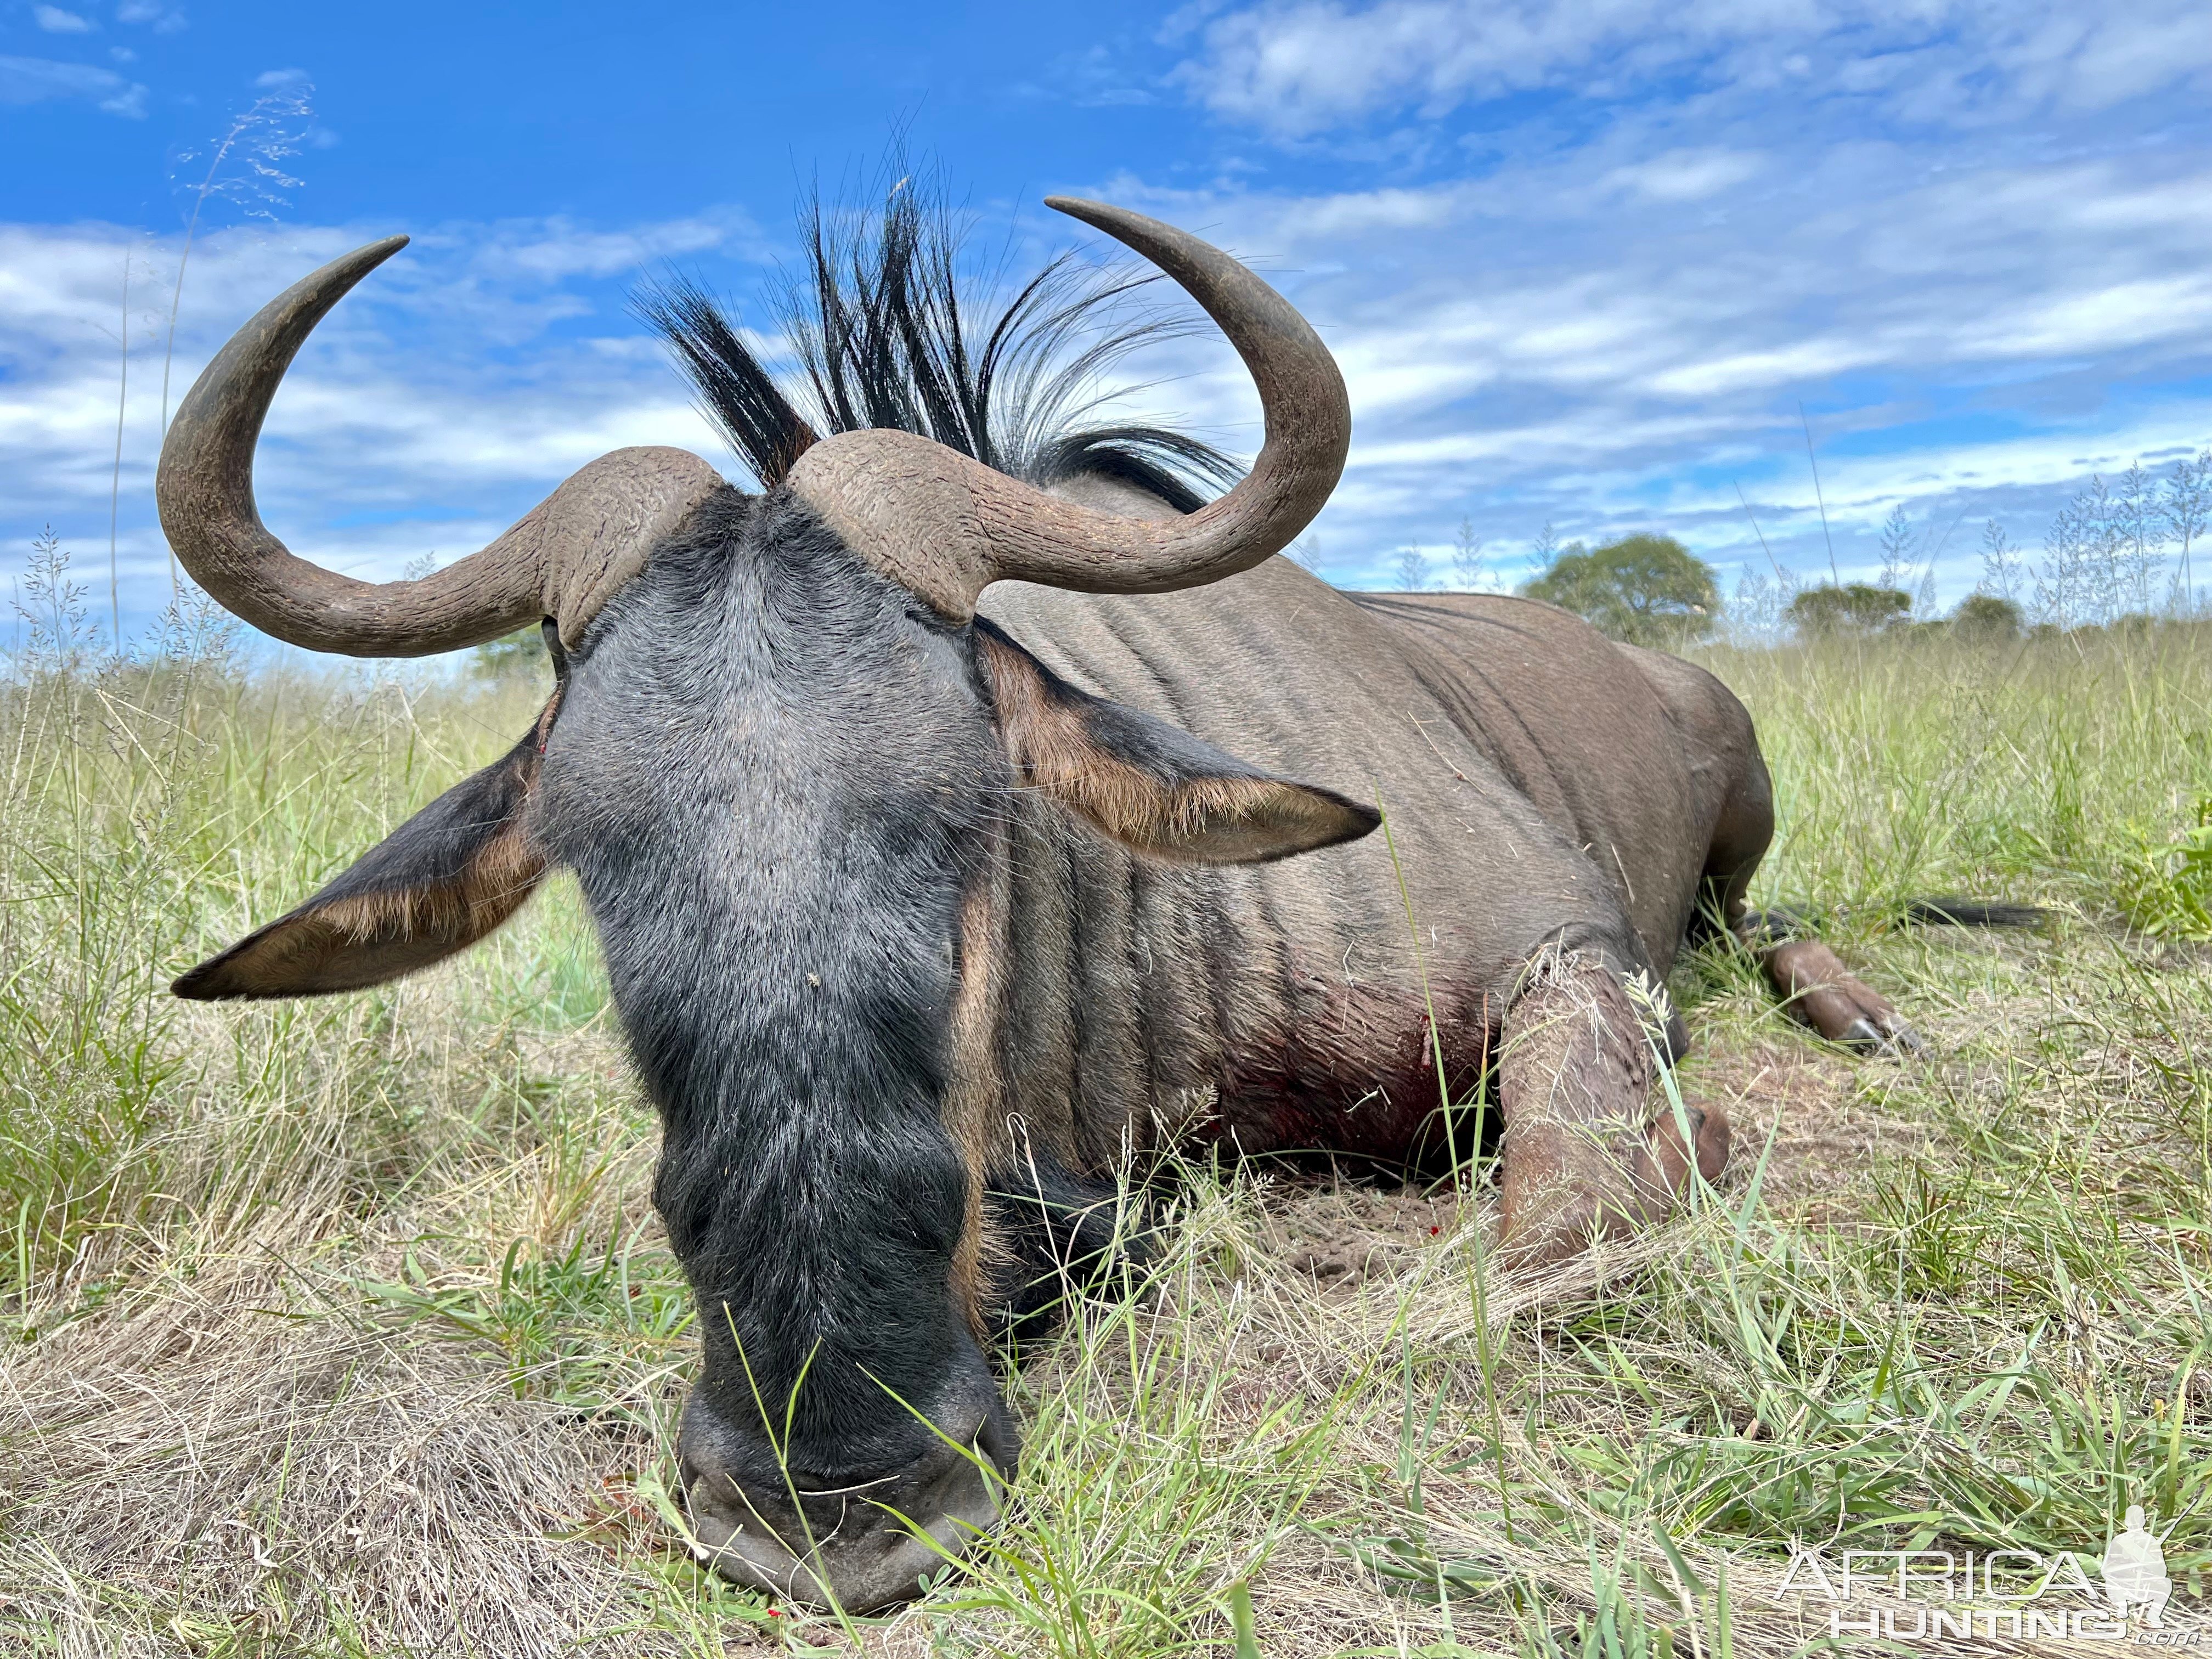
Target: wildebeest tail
{"x": 1969, "y": 913}
{"x": 1779, "y": 924}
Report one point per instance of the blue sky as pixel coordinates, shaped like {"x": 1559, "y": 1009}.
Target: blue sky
{"x": 1600, "y": 265}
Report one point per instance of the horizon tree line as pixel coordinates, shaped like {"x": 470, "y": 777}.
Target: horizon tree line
{"x": 2114, "y": 551}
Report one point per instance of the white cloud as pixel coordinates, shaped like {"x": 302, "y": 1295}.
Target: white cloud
{"x": 1559, "y": 338}
{"x": 1687, "y": 175}
{"x": 434, "y": 406}
{"x": 1611, "y": 336}
{"x": 161, "y": 19}
{"x": 1800, "y": 363}
{"x": 54, "y": 21}
{"x": 41, "y": 80}
{"x": 1304, "y": 66}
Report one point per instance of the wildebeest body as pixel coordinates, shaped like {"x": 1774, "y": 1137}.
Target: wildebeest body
{"x": 919, "y": 919}
{"x": 1542, "y": 784}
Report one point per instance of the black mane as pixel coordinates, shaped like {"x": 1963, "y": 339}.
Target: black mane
{"x": 885, "y": 329}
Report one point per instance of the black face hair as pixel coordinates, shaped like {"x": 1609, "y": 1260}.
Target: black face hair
{"x": 745, "y": 780}
{"x": 886, "y": 334}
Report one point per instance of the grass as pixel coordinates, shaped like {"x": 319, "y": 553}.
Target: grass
{"x": 344, "y": 1327}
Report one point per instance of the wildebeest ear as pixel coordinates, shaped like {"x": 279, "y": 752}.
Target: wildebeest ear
{"x": 1151, "y": 786}
{"x": 438, "y": 884}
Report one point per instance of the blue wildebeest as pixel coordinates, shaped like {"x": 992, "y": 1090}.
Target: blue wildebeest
{"x": 918, "y": 916}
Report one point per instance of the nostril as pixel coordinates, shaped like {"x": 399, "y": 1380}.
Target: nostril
{"x": 847, "y": 1532}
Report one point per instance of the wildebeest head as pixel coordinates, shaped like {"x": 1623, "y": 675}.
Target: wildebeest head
{"x": 776, "y": 758}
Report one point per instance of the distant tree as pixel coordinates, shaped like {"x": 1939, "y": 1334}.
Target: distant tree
{"x": 1412, "y": 570}
{"x": 1646, "y": 589}
{"x": 1469, "y": 573}
{"x": 1856, "y": 608}
{"x": 1987, "y": 618}
{"x": 1305, "y": 553}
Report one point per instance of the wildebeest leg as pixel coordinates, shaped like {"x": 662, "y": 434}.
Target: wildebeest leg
{"x": 1812, "y": 981}
{"x": 1815, "y": 986}
{"x": 1052, "y": 1235}
{"x": 1586, "y": 1155}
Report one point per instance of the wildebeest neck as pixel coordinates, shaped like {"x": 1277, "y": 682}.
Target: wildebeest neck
{"x": 769, "y": 795}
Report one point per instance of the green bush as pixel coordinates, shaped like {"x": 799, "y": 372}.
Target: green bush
{"x": 2164, "y": 886}
{"x": 1856, "y": 608}
{"x": 1986, "y": 618}
{"x": 1645, "y": 589}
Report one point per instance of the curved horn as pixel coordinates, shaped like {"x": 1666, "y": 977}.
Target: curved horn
{"x": 562, "y": 560}
{"x": 946, "y": 526}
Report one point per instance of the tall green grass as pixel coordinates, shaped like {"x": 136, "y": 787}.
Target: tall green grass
{"x": 344, "y": 1326}
{"x": 1917, "y": 764}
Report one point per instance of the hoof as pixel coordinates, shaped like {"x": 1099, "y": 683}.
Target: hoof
{"x": 1896, "y": 1043}
{"x": 1556, "y": 1209}
{"x": 1821, "y": 993}
{"x": 1662, "y": 1162}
